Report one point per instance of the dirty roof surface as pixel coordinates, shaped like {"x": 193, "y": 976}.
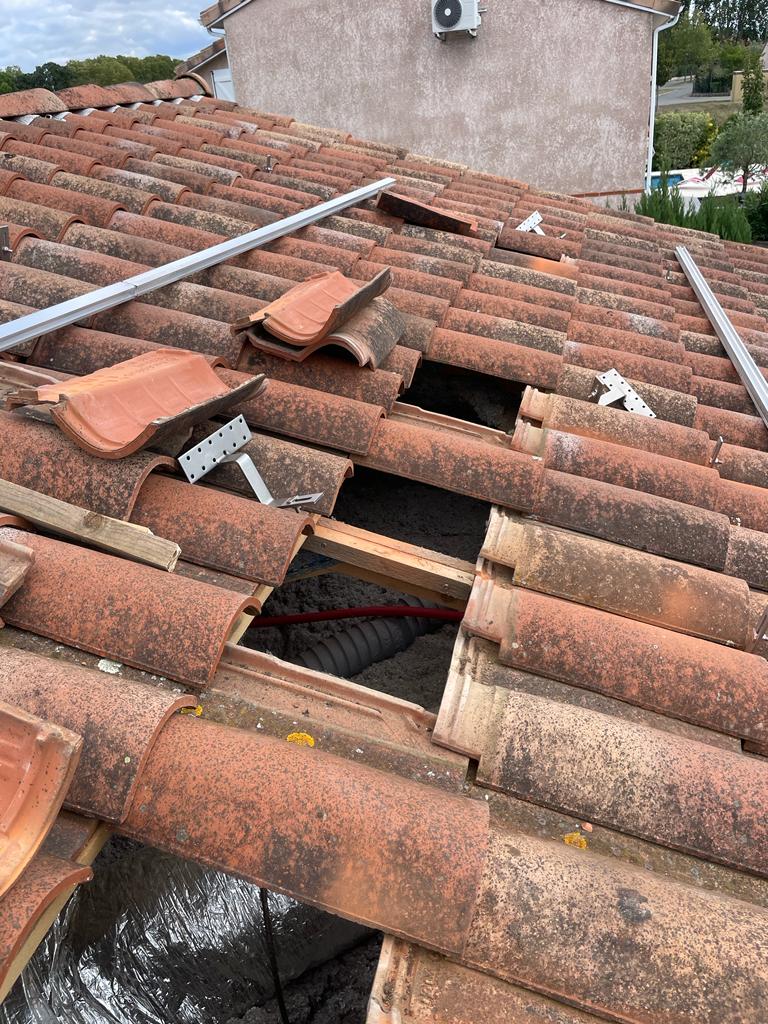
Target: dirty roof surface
{"x": 590, "y": 803}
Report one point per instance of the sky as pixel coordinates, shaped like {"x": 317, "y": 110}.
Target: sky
{"x": 62, "y": 30}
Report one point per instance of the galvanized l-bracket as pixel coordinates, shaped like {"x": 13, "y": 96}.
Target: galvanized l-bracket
{"x": 532, "y": 223}
{"x": 620, "y": 390}
{"x": 222, "y": 447}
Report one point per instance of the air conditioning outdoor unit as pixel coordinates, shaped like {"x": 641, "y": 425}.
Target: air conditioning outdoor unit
{"x": 455, "y": 16}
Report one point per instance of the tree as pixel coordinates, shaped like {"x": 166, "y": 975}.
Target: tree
{"x": 150, "y": 69}
{"x": 736, "y": 19}
{"x": 8, "y": 79}
{"x": 753, "y": 86}
{"x": 742, "y": 146}
{"x": 685, "y": 49}
{"x": 51, "y": 76}
{"x": 100, "y": 70}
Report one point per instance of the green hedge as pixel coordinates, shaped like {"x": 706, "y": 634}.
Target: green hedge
{"x": 682, "y": 139}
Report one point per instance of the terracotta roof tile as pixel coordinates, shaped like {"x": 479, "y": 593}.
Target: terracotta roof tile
{"x": 37, "y": 761}
{"x": 42, "y": 458}
{"x": 168, "y": 90}
{"x": 651, "y": 656}
{"x": 308, "y": 415}
{"x": 326, "y": 373}
{"x": 221, "y": 531}
{"x": 46, "y": 879}
{"x": 92, "y": 209}
{"x": 30, "y": 101}
{"x": 44, "y": 221}
{"x": 78, "y": 350}
{"x": 428, "y": 883}
{"x": 110, "y": 157}
{"x": 85, "y": 599}
{"x": 121, "y": 409}
{"x": 118, "y": 724}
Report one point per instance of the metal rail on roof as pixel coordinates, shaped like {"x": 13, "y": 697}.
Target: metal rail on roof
{"x": 745, "y": 365}
{"x": 31, "y": 326}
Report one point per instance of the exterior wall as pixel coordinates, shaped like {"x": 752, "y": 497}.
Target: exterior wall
{"x": 555, "y": 92}
{"x": 737, "y": 88}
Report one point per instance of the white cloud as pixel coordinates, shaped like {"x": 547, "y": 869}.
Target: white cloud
{"x": 77, "y": 29}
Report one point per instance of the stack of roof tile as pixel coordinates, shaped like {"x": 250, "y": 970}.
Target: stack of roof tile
{"x": 592, "y": 841}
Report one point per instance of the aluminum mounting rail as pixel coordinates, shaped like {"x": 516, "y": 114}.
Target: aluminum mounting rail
{"x": 31, "y": 326}
{"x": 746, "y": 367}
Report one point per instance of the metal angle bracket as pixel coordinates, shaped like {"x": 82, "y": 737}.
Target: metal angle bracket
{"x": 224, "y": 447}
{"x": 5, "y": 243}
{"x": 531, "y": 223}
{"x": 620, "y": 391}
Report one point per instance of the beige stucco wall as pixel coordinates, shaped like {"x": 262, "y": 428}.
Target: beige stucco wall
{"x": 554, "y": 92}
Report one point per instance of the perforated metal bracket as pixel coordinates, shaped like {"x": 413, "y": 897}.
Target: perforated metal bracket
{"x": 620, "y": 391}
{"x": 223, "y": 447}
{"x": 532, "y": 223}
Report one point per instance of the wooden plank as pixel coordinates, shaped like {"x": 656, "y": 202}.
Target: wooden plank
{"x": 405, "y": 587}
{"x": 128, "y": 540}
{"x": 393, "y": 562}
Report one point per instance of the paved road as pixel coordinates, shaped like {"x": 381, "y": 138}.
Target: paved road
{"x": 680, "y": 92}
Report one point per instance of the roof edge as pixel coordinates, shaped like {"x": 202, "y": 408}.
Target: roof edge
{"x": 216, "y": 13}
{"x": 197, "y": 60}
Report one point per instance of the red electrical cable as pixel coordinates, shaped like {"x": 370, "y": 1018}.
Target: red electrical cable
{"x": 375, "y": 611}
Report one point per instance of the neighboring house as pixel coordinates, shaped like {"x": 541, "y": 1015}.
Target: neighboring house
{"x": 212, "y": 66}
{"x": 556, "y": 91}
{"x": 737, "y": 88}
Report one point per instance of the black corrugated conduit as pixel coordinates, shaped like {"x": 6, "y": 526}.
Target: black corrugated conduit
{"x": 355, "y": 648}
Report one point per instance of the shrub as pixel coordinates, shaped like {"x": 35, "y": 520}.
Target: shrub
{"x": 722, "y": 216}
{"x": 680, "y": 137}
{"x": 756, "y": 210}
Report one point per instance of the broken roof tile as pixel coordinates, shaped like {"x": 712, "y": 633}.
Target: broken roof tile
{"x": 328, "y": 310}
{"x": 423, "y": 215}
